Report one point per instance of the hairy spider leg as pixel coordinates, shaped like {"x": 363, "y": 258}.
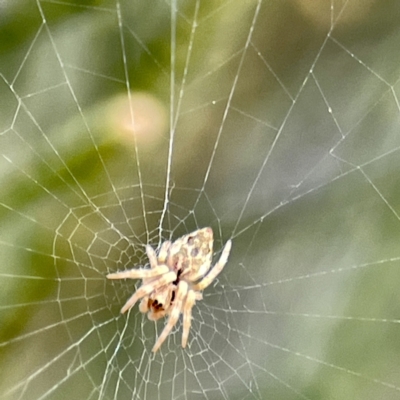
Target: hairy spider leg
{"x": 148, "y": 288}
{"x": 187, "y": 315}
{"x": 216, "y": 269}
{"x": 162, "y": 255}
{"x": 180, "y": 295}
{"x": 154, "y": 264}
{"x": 140, "y": 273}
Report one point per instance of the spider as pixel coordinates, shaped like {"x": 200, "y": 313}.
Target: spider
{"x": 175, "y": 280}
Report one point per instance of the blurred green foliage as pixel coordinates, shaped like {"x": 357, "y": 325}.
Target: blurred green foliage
{"x": 284, "y": 136}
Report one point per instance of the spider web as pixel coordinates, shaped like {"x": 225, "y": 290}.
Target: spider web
{"x": 125, "y": 123}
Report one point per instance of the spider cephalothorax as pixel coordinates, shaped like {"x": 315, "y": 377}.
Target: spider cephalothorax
{"x": 175, "y": 279}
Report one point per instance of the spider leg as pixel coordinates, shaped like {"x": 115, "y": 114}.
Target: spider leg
{"x": 146, "y": 289}
{"x": 212, "y": 274}
{"x": 180, "y": 295}
{"x": 163, "y": 253}
{"x": 140, "y": 273}
{"x": 198, "y": 295}
{"x": 187, "y": 315}
{"x": 152, "y": 256}
{"x": 144, "y": 305}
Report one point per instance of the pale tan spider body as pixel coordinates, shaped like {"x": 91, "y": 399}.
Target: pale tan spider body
{"x": 175, "y": 279}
